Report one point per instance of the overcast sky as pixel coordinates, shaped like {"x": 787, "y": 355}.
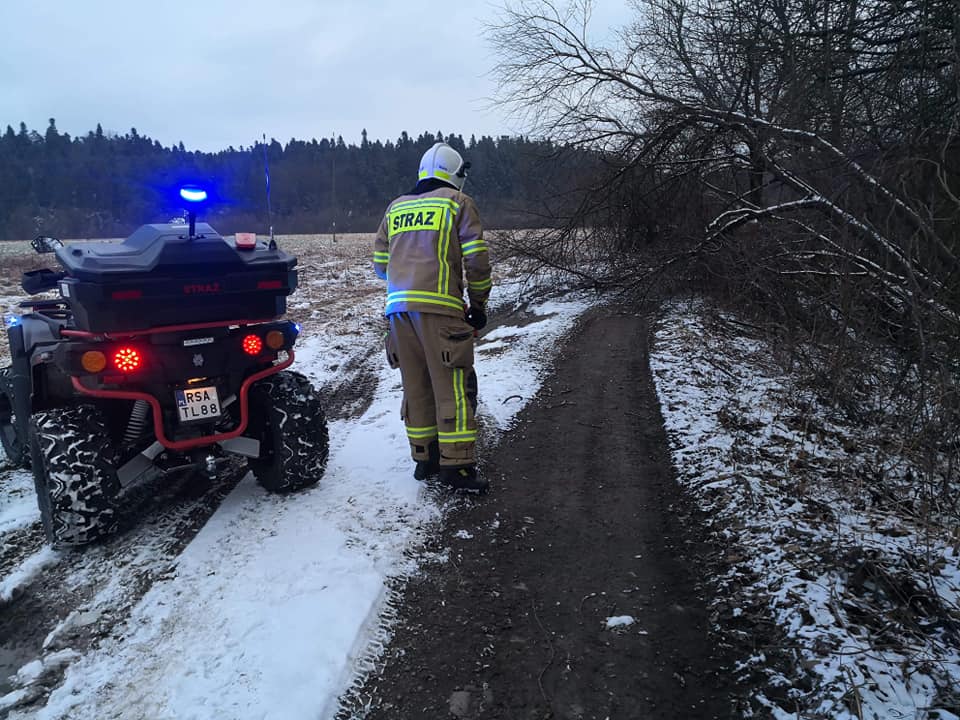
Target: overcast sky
{"x": 215, "y": 73}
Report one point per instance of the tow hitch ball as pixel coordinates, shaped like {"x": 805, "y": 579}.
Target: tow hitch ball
{"x": 209, "y": 466}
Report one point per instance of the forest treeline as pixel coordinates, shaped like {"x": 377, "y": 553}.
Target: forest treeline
{"x": 105, "y": 184}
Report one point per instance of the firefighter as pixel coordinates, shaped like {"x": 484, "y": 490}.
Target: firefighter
{"x": 428, "y": 240}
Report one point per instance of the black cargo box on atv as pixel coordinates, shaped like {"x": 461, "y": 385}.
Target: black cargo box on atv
{"x": 159, "y": 276}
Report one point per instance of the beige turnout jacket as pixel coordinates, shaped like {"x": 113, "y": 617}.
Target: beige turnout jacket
{"x": 423, "y": 245}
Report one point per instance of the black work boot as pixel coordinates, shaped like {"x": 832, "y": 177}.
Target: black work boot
{"x": 426, "y": 468}
{"x": 464, "y": 478}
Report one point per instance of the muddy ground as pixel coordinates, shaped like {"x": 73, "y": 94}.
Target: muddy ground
{"x": 584, "y": 524}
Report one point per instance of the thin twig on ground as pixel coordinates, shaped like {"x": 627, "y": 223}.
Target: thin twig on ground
{"x": 553, "y": 653}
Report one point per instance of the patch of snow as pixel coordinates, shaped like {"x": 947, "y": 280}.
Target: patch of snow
{"x": 29, "y": 672}
{"x": 463, "y": 535}
{"x": 18, "y": 500}
{"x": 76, "y": 619}
{"x": 520, "y": 372}
{"x": 619, "y": 621}
{"x": 25, "y": 572}
{"x": 483, "y": 347}
{"x": 804, "y": 540}
{"x": 35, "y": 670}
{"x": 14, "y": 698}
{"x": 505, "y": 332}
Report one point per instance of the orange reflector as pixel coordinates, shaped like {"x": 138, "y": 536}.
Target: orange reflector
{"x": 252, "y": 344}
{"x": 275, "y": 339}
{"x": 93, "y": 361}
{"x": 127, "y": 359}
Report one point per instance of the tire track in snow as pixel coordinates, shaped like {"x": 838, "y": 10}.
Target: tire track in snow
{"x": 100, "y": 584}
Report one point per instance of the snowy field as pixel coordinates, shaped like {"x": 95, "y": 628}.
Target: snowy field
{"x": 825, "y": 534}
{"x": 277, "y": 605}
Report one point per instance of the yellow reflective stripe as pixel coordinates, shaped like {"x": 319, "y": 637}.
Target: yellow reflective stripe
{"x": 481, "y": 284}
{"x": 473, "y": 243}
{"x": 435, "y": 201}
{"x": 465, "y": 399}
{"x": 424, "y": 433}
{"x": 423, "y": 296}
{"x": 425, "y": 293}
{"x": 472, "y": 251}
{"x": 381, "y": 256}
{"x": 408, "y": 206}
{"x": 467, "y": 436}
{"x": 458, "y": 399}
{"x": 460, "y": 396}
{"x": 437, "y": 173}
{"x": 421, "y": 436}
{"x": 443, "y": 225}
{"x": 424, "y": 217}
{"x": 443, "y": 247}
{"x": 422, "y": 300}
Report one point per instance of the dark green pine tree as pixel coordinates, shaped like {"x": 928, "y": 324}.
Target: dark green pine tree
{"x": 102, "y": 184}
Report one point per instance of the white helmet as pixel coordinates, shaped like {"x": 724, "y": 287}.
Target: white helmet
{"x": 444, "y": 163}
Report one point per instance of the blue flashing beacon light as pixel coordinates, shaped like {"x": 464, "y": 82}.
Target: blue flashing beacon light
{"x": 193, "y": 195}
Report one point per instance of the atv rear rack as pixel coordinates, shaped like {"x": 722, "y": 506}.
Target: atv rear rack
{"x": 88, "y": 335}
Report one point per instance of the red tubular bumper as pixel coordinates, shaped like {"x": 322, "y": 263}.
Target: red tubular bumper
{"x": 180, "y": 445}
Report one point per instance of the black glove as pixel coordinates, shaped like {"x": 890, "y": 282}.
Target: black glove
{"x": 476, "y": 317}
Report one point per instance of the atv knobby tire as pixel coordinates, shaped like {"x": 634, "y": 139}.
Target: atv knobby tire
{"x": 14, "y": 444}
{"x": 73, "y": 468}
{"x": 287, "y": 418}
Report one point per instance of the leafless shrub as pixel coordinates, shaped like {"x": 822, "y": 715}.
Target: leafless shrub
{"x": 796, "y": 158}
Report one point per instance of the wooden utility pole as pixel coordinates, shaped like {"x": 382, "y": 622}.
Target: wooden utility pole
{"x": 333, "y": 184}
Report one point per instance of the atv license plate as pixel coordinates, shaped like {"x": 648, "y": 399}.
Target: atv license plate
{"x": 196, "y": 404}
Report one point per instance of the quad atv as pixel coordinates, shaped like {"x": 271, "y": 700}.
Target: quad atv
{"x": 161, "y": 354}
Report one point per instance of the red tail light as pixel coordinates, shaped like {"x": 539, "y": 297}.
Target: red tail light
{"x": 252, "y": 344}
{"x": 127, "y": 359}
{"x": 126, "y": 294}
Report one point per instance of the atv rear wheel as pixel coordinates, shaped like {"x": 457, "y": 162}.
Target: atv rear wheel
{"x": 14, "y": 444}
{"x": 73, "y": 468}
{"x": 287, "y": 418}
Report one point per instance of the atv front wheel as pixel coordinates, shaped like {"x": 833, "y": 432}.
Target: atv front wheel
{"x": 73, "y": 468}
{"x": 287, "y": 418}
{"x": 14, "y": 444}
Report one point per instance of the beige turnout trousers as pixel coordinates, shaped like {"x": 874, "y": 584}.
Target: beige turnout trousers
{"x": 435, "y": 356}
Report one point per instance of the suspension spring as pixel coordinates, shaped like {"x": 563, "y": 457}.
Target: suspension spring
{"x": 137, "y": 422}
